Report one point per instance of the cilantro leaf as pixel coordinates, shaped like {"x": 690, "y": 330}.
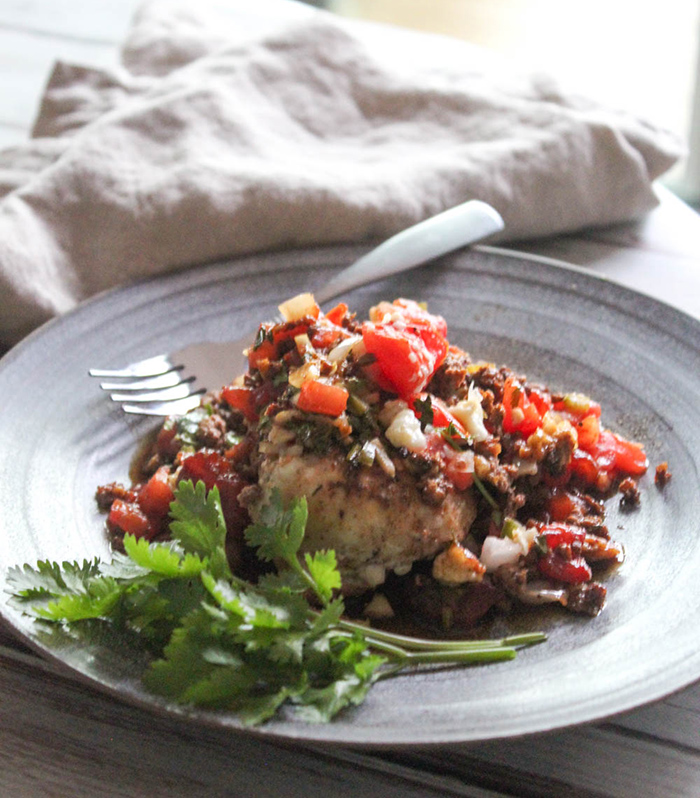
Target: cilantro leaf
{"x": 279, "y": 532}
{"x": 323, "y": 568}
{"x": 208, "y": 638}
{"x": 166, "y": 559}
{"x": 198, "y": 524}
{"x": 52, "y": 578}
{"x": 95, "y": 602}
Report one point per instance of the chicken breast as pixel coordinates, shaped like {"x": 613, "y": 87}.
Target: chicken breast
{"x": 374, "y": 523}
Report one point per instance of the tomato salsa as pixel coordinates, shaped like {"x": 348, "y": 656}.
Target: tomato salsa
{"x": 450, "y": 488}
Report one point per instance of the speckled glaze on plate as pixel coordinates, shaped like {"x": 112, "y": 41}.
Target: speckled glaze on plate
{"x": 61, "y": 437}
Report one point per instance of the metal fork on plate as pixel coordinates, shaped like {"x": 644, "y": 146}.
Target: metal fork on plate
{"x": 173, "y": 384}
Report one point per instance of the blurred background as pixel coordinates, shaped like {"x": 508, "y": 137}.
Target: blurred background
{"x": 637, "y": 56}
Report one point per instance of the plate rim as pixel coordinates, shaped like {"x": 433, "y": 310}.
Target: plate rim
{"x": 17, "y": 351}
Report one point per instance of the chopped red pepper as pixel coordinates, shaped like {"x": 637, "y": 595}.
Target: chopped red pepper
{"x": 559, "y": 563}
{"x": 613, "y": 453}
{"x": 319, "y": 397}
{"x": 338, "y": 313}
{"x": 242, "y": 398}
{"x": 558, "y": 568}
{"x": 155, "y": 496}
{"x": 521, "y": 413}
{"x": 129, "y": 519}
{"x": 562, "y": 535}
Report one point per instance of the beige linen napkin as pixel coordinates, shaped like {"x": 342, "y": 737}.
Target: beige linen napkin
{"x": 234, "y": 128}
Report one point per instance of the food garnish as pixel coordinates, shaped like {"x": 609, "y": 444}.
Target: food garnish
{"x": 219, "y": 641}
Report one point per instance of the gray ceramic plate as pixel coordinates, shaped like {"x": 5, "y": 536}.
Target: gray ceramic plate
{"x": 60, "y": 437}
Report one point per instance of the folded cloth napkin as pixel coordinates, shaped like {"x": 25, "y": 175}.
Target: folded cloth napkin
{"x": 234, "y": 127}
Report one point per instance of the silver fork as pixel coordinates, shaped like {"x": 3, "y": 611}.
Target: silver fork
{"x": 173, "y": 384}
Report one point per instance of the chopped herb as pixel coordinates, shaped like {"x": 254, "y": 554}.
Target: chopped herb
{"x": 218, "y": 641}
{"x": 281, "y": 377}
{"x": 541, "y": 544}
{"x": 454, "y": 437}
{"x": 187, "y": 426}
{"x": 264, "y": 334}
{"x": 356, "y": 405}
{"x": 424, "y": 407}
{"x": 316, "y": 436}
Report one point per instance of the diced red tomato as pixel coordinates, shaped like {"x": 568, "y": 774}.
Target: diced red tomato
{"x": 541, "y": 399}
{"x": 166, "y": 443}
{"x": 338, "y": 313}
{"x": 204, "y": 465}
{"x": 266, "y": 350}
{"x": 129, "y": 518}
{"x": 559, "y": 563}
{"x": 242, "y": 398}
{"x": 320, "y": 397}
{"x": 155, "y": 496}
{"x": 409, "y": 344}
{"x": 457, "y": 464}
{"x": 562, "y": 505}
{"x": 558, "y": 568}
{"x": 584, "y": 467}
{"x": 613, "y": 453}
{"x": 520, "y": 412}
{"x": 413, "y": 312}
{"x": 562, "y": 535}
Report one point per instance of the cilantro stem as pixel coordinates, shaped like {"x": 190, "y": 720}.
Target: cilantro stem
{"x": 407, "y": 643}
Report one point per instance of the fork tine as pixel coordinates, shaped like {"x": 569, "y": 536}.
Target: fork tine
{"x": 177, "y": 407}
{"x": 181, "y": 391}
{"x": 150, "y": 367}
{"x": 168, "y": 380}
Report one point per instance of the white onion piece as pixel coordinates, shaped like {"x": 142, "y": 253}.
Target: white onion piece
{"x": 352, "y": 344}
{"x": 405, "y": 432}
{"x": 499, "y": 551}
{"x": 298, "y": 307}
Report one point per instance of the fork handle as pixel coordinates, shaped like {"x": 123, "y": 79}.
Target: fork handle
{"x": 454, "y": 228}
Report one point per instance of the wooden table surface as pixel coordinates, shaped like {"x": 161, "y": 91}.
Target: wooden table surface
{"x": 60, "y": 738}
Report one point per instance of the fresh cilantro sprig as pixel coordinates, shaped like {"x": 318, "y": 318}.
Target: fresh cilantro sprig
{"x": 218, "y": 641}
